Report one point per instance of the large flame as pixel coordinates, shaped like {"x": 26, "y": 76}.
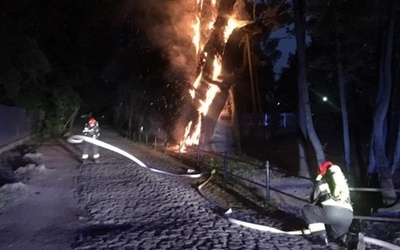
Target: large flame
{"x": 192, "y": 130}
{"x": 233, "y": 23}
{"x": 196, "y": 36}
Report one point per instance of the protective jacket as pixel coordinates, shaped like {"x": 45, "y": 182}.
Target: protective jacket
{"x": 332, "y": 190}
{"x": 91, "y": 131}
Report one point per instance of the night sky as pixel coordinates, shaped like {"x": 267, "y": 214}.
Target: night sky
{"x": 94, "y": 47}
{"x": 98, "y": 48}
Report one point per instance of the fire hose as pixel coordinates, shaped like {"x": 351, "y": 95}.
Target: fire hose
{"x": 81, "y": 138}
{"x": 228, "y": 212}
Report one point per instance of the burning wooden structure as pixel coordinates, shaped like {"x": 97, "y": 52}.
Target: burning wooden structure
{"x": 211, "y": 91}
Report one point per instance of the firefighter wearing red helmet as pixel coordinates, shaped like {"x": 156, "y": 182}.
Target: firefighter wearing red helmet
{"x": 92, "y": 130}
{"x": 331, "y": 207}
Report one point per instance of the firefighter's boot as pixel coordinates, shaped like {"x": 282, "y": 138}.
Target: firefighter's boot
{"x": 353, "y": 241}
{"x": 84, "y": 158}
{"x": 96, "y": 158}
{"x": 360, "y": 242}
{"x": 318, "y": 233}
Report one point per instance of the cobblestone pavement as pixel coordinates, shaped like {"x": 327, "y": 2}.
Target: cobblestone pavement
{"x": 130, "y": 207}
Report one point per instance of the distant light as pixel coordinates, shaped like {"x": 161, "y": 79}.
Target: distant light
{"x": 278, "y": 103}
{"x": 324, "y": 98}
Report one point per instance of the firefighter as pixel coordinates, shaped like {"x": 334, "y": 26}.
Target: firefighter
{"x": 92, "y": 130}
{"x": 331, "y": 207}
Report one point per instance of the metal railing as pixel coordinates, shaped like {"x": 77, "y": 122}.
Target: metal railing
{"x": 197, "y": 155}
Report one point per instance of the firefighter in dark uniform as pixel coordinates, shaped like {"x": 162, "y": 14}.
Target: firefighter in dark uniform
{"x": 92, "y": 130}
{"x": 331, "y": 206}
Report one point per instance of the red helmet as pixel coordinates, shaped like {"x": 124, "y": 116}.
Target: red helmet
{"x": 323, "y": 167}
{"x": 92, "y": 121}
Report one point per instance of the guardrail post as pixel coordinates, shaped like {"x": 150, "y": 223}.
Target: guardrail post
{"x": 267, "y": 189}
{"x": 225, "y": 166}
{"x": 155, "y": 142}
{"x": 165, "y": 145}
{"x": 198, "y": 151}
{"x": 180, "y": 149}
{"x": 147, "y": 139}
{"x": 198, "y": 155}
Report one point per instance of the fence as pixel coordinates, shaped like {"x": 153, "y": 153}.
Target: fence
{"x": 283, "y": 120}
{"x": 15, "y": 124}
{"x": 265, "y": 171}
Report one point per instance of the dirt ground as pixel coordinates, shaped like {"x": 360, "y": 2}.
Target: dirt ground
{"x": 39, "y": 211}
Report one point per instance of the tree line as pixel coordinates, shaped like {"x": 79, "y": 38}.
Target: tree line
{"x": 64, "y": 58}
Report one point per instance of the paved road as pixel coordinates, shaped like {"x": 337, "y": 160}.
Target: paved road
{"x": 130, "y": 207}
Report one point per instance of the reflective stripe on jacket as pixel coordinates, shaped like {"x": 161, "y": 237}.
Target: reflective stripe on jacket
{"x": 322, "y": 196}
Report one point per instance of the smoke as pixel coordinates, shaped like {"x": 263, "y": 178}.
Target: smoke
{"x": 167, "y": 24}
